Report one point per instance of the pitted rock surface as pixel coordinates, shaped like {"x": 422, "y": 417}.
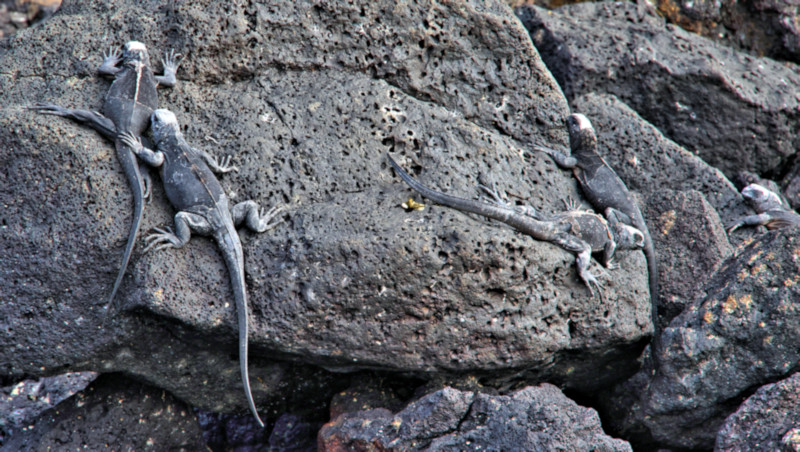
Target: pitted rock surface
{"x": 113, "y": 411}
{"x": 767, "y": 420}
{"x": 736, "y": 111}
{"x": 742, "y": 334}
{"x": 308, "y": 102}
{"x": 534, "y": 418}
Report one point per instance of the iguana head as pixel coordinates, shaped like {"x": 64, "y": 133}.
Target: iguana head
{"x": 581, "y": 133}
{"x": 762, "y": 198}
{"x": 164, "y": 124}
{"x": 135, "y": 51}
{"x": 628, "y": 237}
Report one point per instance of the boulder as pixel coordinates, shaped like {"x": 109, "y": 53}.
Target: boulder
{"x": 307, "y": 97}
{"x": 534, "y": 418}
{"x": 736, "y": 111}
{"x": 741, "y": 334}
{"x": 767, "y": 420}
{"x": 116, "y": 411}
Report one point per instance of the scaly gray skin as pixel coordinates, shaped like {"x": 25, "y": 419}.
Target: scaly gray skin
{"x": 770, "y": 208}
{"x": 128, "y": 105}
{"x": 203, "y": 207}
{"x": 607, "y": 193}
{"x": 580, "y": 232}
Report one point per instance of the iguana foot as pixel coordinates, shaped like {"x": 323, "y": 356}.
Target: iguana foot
{"x": 170, "y": 62}
{"x": 495, "y": 195}
{"x": 132, "y": 141}
{"x": 111, "y": 59}
{"x": 50, "y": 109}
{"x": 223, "y": 164}
{"x": 162, "y": 239}
{"x": 572, "y": 205}
{"x": 266, "y": 217}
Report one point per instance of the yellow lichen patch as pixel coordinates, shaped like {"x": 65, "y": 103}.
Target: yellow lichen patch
{"x": 668, "y": 220}
{"x": 746, "y": 301}
{"x": 796, "y": 254}
{"x": 770, "y": 256}
{"x": 743, "y": 275}
{"x": 729, "y": 305}
{"x": 791, "y": 282}
{"x": 412, "y": 205}
{"x": 755, "y": 257}
{"x": 709, "y": 317}
{"x": 758, "y": 269}
{"x": 159, "y": 295}
{"x": 768, "y": 340}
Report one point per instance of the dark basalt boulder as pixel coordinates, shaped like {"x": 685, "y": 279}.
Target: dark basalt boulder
{"x": 743, "y": 333}
{"x": 113, "y": 411}
{"x": 534, "y": 418}
{"x": 736, "y": 111}
{"x": 767, "y": 420}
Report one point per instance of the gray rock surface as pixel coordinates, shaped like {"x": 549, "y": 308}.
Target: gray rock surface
{"x": 308, "y": 98}
{"x": 761, "y": 27}
{"x": 534, "y": 418}
{"x": 23, "y": 402}
{"x": 113, "y": 411}
{"x": 694, "y": 245}
{"x": 742, "y": 334}
{"x": 737, "y": 112}
{"x": 767, "y": 420}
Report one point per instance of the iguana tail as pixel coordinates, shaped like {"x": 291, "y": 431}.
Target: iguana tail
{"x": 231, "y": 248}
{"x": 135, "y": 180}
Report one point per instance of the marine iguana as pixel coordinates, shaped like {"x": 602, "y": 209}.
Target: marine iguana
{"x": 770, "y": 209}
{"x": 128, "y": 105}
{"x": 203, "y": 208}
{"x": 581, "y": 232}
{"x": 606, "y": 192}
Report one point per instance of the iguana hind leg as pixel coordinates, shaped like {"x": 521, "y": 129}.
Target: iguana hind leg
{"x": 88, "y": 118}
{"x": 185, "y": 223}
{"x": 255, "y": 219}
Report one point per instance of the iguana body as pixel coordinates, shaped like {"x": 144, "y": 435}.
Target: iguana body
{"x": 128, "y": 105}
{"x": 606, "y": 192}
{"x": 580, "y": 232}
{"x": 770, "y": 209}
{"x": 203, "y": 208}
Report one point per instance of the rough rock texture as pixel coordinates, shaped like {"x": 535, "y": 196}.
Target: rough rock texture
{"x": 113, "y": 411}
{"x": 22, "y": 403}
{"x": 767, "y": 420}
{"x": 685, "y": 201}
{"x": 735, "y": 111}
{"x": 744, "y": 333}
{"x": 307, "y": 97}
{"x": 762, "y": 27}
{"x": 693, "y": 246}
{"x": 534, "y": 418}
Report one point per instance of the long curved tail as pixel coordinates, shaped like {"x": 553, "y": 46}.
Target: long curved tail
{"x": 136, "y": 181}
{"x": 231, "y": 248}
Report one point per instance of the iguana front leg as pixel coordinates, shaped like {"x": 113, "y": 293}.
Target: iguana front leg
{"x": 152, "y": 158}
{"x": 561, "y": 159}
{"x": 750, "y": 220}
{"x": 171, "y": 62}
{"x": 583, "y": 257}
{"x": 218, "y": 165}
{"x": 110, "y": 61}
